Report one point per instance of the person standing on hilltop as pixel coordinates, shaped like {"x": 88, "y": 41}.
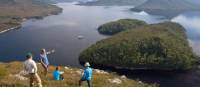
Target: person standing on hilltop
{"x": 87, "y": 76}
{"x": 44, "y": 59}
{"x": 31, "y": 68}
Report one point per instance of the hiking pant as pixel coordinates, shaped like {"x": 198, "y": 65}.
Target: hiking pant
{"x": 35, "y": 77}
{"x": 45, "y": 68}
{"x": 88, "y": 82}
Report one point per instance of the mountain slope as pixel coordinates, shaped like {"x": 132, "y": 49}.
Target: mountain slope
{"x": 167, "y": 5}
{"x": 6, "y": 1}
{"x": 26, "y": 8}
{"x": 114, "y": 2}
{"x": 13, "y": 11}
{"x": 167, "y": 8}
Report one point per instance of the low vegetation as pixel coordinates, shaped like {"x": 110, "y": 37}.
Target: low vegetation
{"x": 9, "y": 78}
{"x": 162, "y": 46}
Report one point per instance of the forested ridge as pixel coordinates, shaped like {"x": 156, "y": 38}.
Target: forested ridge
{"x": 162, "y": 46}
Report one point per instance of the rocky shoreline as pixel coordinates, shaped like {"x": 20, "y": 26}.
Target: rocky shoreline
{"x": 13, "y": 28}
{"x": 121, "y": 70}
{"x": 27, "y": 18}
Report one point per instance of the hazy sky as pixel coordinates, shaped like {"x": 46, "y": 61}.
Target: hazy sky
{"x": 196, "y": 1}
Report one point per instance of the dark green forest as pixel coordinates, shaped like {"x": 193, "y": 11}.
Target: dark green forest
{"x": 115, "y": 27}
{"x": 162, "y": 46}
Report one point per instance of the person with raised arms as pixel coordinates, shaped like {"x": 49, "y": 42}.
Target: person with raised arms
{"x": 44, "y": 59}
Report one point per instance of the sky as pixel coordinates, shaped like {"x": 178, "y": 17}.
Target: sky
{"x": 196, "y": 1}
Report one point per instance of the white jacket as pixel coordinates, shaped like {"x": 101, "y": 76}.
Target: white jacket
{"x": 30, "y": 66}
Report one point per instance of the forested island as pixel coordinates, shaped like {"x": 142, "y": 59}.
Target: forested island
{"x": 162, "y": 46}
{"x": 120, "y": 25}
{"x": 12, "y": 12}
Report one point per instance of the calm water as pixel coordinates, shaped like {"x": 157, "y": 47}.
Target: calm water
{"x": 60, "y": 32}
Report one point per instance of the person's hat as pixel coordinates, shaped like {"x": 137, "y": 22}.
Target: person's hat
{"x": 28, "y": 55}
{"x": 87, "y": 64}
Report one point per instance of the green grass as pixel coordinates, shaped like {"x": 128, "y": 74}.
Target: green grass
{"x": 71, "y": 78}
{"x": 3, "y": 71}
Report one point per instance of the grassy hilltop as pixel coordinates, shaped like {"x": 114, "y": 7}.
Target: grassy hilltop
{"x": 9, "y": 78}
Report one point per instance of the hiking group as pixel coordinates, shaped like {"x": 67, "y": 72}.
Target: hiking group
{"x": 30, "y": 67}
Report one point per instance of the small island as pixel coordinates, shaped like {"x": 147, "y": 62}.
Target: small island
{"x": 13, "y": 12}
{"x": 115, "y": 27}
{"x": 162, "y": 46}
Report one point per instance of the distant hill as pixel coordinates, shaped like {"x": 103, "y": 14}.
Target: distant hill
{"x": 167, "y": 8}
{"x": 6, "y": 1}
{"x": 53, "y": 1}
{"x": 43, "y": 1}
{"x": 168, "y": 5}
{"x": 50, "y": 1}
{"x": 114, "y": 2}
{"x": 27, "y": 8}
{"x": 13, "y": 11}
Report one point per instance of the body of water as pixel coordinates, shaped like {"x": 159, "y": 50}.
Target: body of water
{"x": 61, "y": 32}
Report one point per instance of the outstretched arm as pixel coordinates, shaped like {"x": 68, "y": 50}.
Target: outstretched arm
{"x": 50, "y": 52}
